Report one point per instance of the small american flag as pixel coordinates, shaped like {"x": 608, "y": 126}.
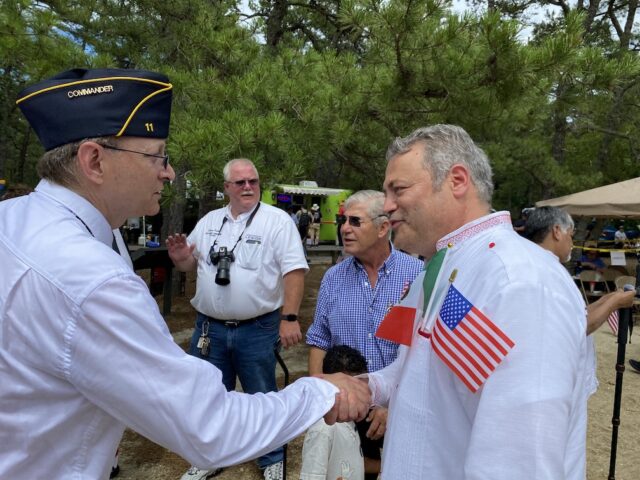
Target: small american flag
{"x": 470, "y": 344}
{"x": 612, "y": 319}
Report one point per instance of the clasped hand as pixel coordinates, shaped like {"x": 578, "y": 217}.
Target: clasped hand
{"x": 352, "y": 402}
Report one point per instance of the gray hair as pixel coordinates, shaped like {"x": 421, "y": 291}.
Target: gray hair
{"x": 372, "y": 200}
{"x": 542, "y": 220}
{"x": 226, "y": 171}
{"x": 445, "y": 146}
{"x": 59, "y": 166}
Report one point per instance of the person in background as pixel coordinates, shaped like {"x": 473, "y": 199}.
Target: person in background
{"x": 293, "y": 215}
{"x": 552, "y": 228}
{"x": 333, "y": 452}
{"x": 314, "y": 227}
{"x": 354, "y": 297}
{"x": 519, "y": 224}
{"x": 339, "y": 223}
{"x": 250, "y": 280}
{"x": 620, "y": 237}
{"x": 105, "y": 358}
{"x": 304, "y": 221}
{"x": 589, "y": 260}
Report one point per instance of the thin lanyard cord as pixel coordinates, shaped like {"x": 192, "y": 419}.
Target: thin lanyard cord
{"x": 224, "y": 220}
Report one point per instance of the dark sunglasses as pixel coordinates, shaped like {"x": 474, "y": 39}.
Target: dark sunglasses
{"x": 355, "y": 221}
{"x": 240, "y": 183}
{"x": 165, "y": 158}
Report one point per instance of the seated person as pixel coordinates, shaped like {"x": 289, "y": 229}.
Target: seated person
{"x": 590, "y": 261}
{"x": 333, "y": 452}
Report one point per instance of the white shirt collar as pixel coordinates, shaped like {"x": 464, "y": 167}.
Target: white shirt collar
{"x": 80, "y": 207}
{"x": 473, "y": 228}
{"x": 241, "y": 217}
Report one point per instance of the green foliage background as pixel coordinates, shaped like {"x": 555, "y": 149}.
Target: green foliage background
{"x": 316, "y": 89}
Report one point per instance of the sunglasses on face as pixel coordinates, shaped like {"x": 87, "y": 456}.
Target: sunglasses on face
{"x": 355, "y": 221}
{"x": 240, "y": 183}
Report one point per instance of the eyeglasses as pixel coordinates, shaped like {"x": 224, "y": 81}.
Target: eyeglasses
{"x": 165, "y": 158}
{"x": 355, "y": 221}
{"x": 240, "y": 183}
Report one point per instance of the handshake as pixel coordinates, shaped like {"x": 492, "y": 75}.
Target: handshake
{"x": 352, "y": 402}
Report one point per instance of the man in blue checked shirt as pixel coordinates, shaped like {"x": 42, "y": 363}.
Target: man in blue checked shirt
{"x": 354, "y": 297}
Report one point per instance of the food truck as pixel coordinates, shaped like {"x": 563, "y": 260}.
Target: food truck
{"x": 306, "y": 193}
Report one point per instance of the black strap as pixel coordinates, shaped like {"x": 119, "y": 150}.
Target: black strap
{"x": 224, "y": 220}
{"x": 114, "y": 244}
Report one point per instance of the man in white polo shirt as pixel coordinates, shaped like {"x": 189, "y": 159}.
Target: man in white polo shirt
{"x": 250, "y": 282}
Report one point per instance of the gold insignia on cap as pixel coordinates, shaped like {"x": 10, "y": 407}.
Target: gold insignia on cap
{"x": 167, "y": 86}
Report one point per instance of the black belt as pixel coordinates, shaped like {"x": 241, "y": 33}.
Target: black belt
{"x": 233, "y": 323}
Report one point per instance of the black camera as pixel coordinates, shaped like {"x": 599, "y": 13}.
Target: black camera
{"x": 222, "y": 259}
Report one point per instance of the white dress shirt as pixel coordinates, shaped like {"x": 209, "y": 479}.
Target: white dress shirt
{"x": 84, "y": 352}
{"x": 528, "y": 421}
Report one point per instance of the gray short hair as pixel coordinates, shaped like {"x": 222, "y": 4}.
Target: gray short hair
{"x": 541, "y": 221}
{"x": 227, "y": 168}
{"x": 372, "y": 200}
{"x": 445, "y": 146}
{"x": 59, "y": 166}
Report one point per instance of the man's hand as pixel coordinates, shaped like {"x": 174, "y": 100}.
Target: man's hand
{"x": 378, "y": 418}
{"x": 290, "y": 333}
{"x": 353, "y": 401}
{"x": 623, "y": 299}
{"x": 180, "y": 252}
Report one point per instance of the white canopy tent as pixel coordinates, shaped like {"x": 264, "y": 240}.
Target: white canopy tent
{"x": 620, "y": 199}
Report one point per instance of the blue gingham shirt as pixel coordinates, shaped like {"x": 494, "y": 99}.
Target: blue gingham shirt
{"x": 349, "y": 311}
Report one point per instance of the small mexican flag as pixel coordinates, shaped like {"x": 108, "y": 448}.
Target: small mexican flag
{"x": 398, "y": 324}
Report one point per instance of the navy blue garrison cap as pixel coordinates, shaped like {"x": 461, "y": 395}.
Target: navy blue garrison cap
{"x": 83, "y": 103}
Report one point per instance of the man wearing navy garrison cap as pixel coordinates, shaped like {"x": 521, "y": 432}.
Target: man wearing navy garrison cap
{"x": 84, "y": 351}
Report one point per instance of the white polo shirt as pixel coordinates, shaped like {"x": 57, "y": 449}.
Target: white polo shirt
{"x": 270, "y": 248}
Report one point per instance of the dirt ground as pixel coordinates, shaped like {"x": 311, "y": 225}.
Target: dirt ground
{"x": 142, "y": 459}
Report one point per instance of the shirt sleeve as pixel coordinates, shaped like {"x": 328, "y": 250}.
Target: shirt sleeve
{"x": 383, "y": 382}
{"x": 121, "y": 357}
{"x": 287, "y": 246}
{"x": 315, "y": 453}
{"x": 531, "y": 409}
{"x": 196, "y": 235}
{"x": 319, "y": 333}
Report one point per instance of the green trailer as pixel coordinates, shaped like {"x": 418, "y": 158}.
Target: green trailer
{"x": 306, "y": 194}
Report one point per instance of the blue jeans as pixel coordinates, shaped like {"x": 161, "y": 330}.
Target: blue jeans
{"x": 245, "y": 352}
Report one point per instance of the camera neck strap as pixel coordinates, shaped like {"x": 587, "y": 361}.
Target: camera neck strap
{"x": 224, "y": 220}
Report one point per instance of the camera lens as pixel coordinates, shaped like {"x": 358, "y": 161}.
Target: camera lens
{"x": 222, "y": 275}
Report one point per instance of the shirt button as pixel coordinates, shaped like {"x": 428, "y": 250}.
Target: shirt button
{"x": 370, "y": 310}
{"x": 370, "y": 335}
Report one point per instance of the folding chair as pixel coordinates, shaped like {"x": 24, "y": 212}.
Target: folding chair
{"x": 609, "y": 275}
{"x": 592, "y": 285}
{"x": 623, "y": 280}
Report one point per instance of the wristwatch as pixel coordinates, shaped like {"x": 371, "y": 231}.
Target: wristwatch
{"x": 291, "y": 317}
